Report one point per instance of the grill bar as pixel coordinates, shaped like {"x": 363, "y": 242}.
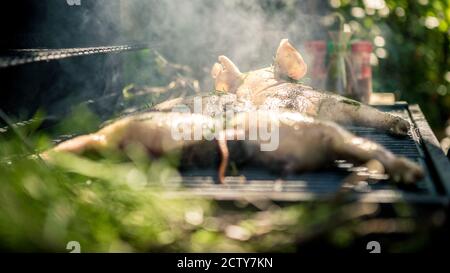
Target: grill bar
{"x": 439, "y": 163}
{"x": 16, "y": 57}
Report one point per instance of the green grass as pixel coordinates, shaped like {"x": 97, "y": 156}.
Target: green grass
{"x": 123, "y": 206}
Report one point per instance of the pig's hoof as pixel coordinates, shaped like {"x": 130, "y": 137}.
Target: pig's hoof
{"x": 406, "y": 172}
{"x": 400, "y": 127}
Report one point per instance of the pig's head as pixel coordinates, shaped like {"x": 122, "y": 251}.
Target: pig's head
{"x": 288, "y": 66}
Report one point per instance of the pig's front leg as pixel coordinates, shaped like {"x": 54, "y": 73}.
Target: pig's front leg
{"x": 107, "y": 138}
{"x": 349, "y": 112}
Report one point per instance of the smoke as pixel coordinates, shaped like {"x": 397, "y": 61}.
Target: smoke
{"x": 192, "y": 33}
{"x": 196, "y": 32}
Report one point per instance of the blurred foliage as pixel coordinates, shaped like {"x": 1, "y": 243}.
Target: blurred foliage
{"x": 110, "y": 204}
{"x": 412, "y": 49}
{"x": 115, "y": 207}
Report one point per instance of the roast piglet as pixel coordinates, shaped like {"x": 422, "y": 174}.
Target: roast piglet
{"x": 279, "y": 87}
{"x": 296, "y": 143}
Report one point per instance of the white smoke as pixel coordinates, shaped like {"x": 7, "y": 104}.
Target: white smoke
{"x": 195, "y": 32}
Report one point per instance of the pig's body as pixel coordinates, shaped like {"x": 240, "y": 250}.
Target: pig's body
{"x": 305, "y": 143}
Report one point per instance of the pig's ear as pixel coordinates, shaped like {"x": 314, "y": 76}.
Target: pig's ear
{"x": 289, "y": 62}
{"x": 226, "y": 74}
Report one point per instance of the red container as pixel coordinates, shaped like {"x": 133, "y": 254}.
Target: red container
{"x": 362, "y": 71}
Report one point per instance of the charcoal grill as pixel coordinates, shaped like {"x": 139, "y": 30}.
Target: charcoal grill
{"x": 252, "y": 183}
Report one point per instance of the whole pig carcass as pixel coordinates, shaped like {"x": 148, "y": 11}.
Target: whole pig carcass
{"x": 308, "y": 137}
{"x": 301, "y": 143}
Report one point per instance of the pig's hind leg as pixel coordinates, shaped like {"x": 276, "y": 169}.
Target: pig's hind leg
{"x": 349, "y": 112}
{"x": 356, "y": 149}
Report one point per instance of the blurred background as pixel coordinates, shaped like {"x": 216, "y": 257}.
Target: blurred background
{"x": 411, "y": 55}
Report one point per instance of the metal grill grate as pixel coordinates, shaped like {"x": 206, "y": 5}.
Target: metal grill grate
{"x": 258, "y": 183}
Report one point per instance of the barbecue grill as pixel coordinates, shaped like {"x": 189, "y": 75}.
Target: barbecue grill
{"x": 252, "y": 183}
